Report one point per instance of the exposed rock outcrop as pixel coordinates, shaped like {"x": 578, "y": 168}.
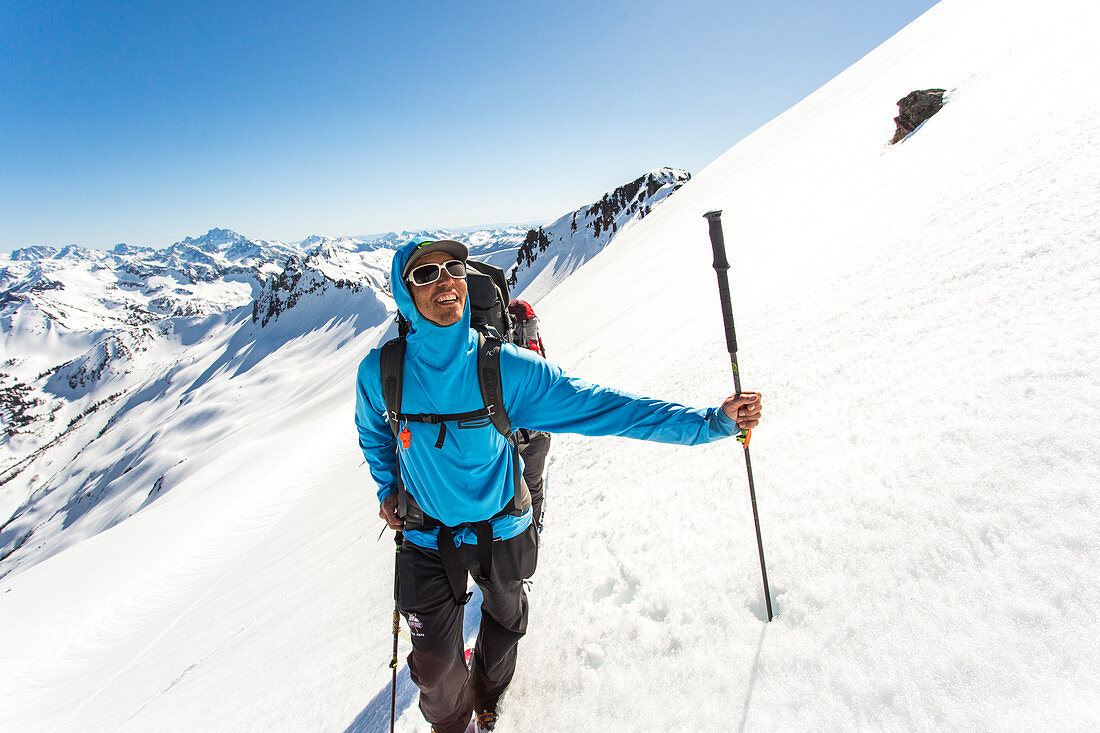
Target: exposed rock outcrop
{"x": 298, "y": 279}
{"x": 914, "y": 108}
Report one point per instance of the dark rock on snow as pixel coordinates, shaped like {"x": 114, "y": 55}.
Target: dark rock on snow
{"x": 915, "y": 108}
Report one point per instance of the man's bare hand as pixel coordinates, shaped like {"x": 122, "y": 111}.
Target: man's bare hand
{"x": 744, "y": 409}
{"x": 388, "y": 512}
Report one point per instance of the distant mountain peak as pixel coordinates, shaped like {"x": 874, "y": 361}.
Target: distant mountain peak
{"x": 217, "y": 234}
{"x": 34, "y": 252}
{"x": 122, "y": 250}
{"x": 216, "y": 240}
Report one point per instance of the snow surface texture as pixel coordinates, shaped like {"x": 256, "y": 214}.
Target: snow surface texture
{"x": 923, "y": 322}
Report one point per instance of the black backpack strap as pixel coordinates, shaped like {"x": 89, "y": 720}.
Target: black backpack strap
{"x": 484, "y": 531}
{"x": 393, "y": 372}
{"x": 451, "y": 559}
{"x": 488, "y": 379}
{"x": 464, "y": 420}
{"x": 452, "y": 565}
{"x": 492, "y": 394}
{"x": 392, "y": 363}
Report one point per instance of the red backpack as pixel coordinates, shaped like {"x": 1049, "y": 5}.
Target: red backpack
{"x": 526, "y": 332}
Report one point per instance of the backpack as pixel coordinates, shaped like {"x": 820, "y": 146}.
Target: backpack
{"x": 490, "y": 311}
{"x": 492, "y": 314}
{"x": 526, "y": 329}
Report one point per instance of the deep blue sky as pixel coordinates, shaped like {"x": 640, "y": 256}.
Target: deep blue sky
{"x": 147, "y": 121}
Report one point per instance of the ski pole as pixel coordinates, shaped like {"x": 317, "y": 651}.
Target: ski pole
{"x": 721, "y": 268}
{"x": 396, "y": 629}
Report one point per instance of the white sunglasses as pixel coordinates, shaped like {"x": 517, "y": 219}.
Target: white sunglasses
{"x": 429, "y": 273}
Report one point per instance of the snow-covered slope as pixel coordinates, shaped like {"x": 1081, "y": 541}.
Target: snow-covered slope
{"x": 923, "y": 321}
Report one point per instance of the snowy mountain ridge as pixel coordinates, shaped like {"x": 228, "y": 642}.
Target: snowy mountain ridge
{"x": 547, "y": 255}
{"x": 92, "y": 337}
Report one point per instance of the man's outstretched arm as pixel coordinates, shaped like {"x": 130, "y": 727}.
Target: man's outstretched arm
{"x": 539, "y": 395}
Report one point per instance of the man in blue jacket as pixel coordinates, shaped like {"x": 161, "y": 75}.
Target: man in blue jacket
{"x": 459, "y": 481}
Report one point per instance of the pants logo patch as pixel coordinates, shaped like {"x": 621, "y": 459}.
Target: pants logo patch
{"x": 416, "y": 627}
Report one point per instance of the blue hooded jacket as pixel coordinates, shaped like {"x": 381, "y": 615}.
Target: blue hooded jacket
{"x": 470, "y": 478}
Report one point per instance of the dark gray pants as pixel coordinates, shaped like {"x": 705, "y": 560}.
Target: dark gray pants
{"x": 449, "y": 692}
{"x": 534, "y": 446}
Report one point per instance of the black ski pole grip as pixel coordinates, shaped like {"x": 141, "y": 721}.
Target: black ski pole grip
{"x": 721, "y": 269}
{"x": 717, "y": 240}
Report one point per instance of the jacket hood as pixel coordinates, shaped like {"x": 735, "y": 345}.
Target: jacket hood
{"x": 437, "y": 345}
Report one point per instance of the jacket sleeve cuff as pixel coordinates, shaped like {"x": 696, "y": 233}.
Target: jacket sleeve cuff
{"x": 722, "y": 424}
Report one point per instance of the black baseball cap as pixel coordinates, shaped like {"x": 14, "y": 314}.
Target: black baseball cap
{"x": 458, "y": 250}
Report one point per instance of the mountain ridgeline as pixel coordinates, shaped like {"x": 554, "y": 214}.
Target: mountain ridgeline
{"x": 106, "y": 353}
{"x": 548, "y": 254}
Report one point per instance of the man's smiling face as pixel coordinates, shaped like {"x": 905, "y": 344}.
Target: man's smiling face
{"x": 443, "y": 301}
